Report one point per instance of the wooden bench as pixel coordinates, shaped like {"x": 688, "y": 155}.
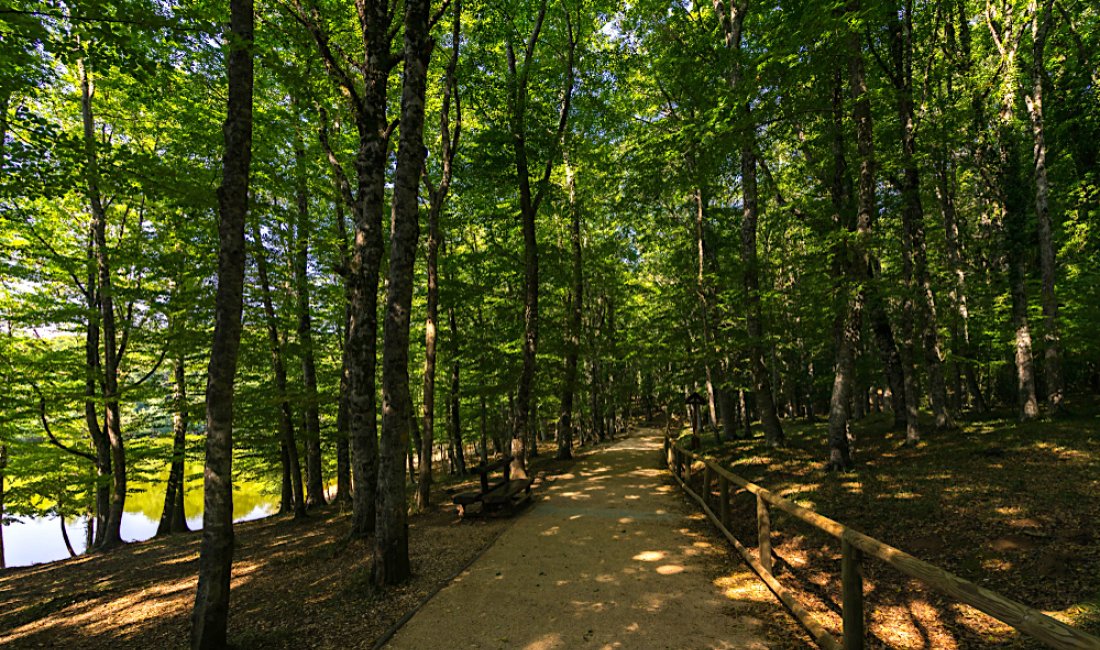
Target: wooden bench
{"x": 502, "y": 495}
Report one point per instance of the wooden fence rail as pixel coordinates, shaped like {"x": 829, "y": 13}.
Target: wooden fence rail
{"x": 855, "y": 546}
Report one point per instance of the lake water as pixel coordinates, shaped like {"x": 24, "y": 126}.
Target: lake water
{"x": 33, "y": 540}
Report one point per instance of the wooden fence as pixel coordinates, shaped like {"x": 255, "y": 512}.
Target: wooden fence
{"x": 855, "y": 547}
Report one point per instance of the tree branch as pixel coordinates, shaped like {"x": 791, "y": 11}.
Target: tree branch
{"x": 49, "y": 432}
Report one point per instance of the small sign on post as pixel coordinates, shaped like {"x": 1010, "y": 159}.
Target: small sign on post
{"x": 694, "y": 401}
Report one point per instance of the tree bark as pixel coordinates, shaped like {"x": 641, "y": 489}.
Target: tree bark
{"x": 1052, "y": 344}
{"x": 286, "y": 416}
{"x": 172, "y": 518}
{"x": 343, "y": 451}
{"x": 112, "y": 535}
{"x": 484, "y": 429}
{"x": 210, "y": 616}
{"x": 1006, "y": 196}
{"x": 391, "y": 546}
{"x": 315, "y": 484}
{"x": 424, "y": 482}
{"x": 91, "y": 391}
{"x": 454, "y": 399}
{"x": 529, "y": 202}
{"x": 368, "y": 102}
{"x": 849, "y": 292}
{"x": 855, "y": 256}
{"x": 945, "y": 192}
{"x": 436, "y": 198}
{"x": 733, "y": 26}
{"x": 576, "y": 311}
{"x": 921, "y": 307}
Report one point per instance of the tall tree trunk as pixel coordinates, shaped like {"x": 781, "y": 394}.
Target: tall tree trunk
{"x": 391, "y": 546}
{"x": 286, "y": 415}
{"x": 367, "y": 102}
{"x": 765, "y": 400}
{"x": 484, "y": 429}
{"x": 315, "y": 484}
{"x": 454, "y": 402}
{"x": 888, "y": 352}
{"x": 576, "y": 312}
{"x": 91, "y": 391}
{"x": 529, "y": 202}
{"x": 1014, "y": 222}
{"x": 112, "y": 534}
{"x": 849, "y": 296}
{"x": 856, "y": 258}
{"x": 945, "y": 192}
{"x": 1052, "y": 344}
{"x": 424, "y": 483}
{"x": 733, "y": 26}
{"x": 921, "y": 315}
{"x": 703, "y": 260}
{"x": 172, "y": 518}
{"x": 437, "y": 197}
{"x": 343, "y": 451}
{"x": 210, "y": 616}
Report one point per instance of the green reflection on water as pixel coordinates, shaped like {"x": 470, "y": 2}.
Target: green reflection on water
{"x": 146, "y": 497}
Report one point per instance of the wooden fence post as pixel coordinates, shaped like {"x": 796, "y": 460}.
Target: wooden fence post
{"x": 707, "y": 474}
{"x": 724, "y": 500}
{"x": 764, "y": 533}
{"x": 852, "y": 587}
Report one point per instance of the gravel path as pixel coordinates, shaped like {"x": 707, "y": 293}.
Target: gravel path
{"x": 605, "y": 558}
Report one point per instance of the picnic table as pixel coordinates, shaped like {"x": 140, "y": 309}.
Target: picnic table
{"x": 502, "y": 495}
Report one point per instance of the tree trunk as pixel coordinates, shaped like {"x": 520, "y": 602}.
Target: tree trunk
{"x": 847, "y": 265}
{"x": 91, "y": 417}
{"x": 210, "y": 616}
{"x": 423, "y": 486}
{"x": 172, "y": 518}
{"x": 855, "y": 257}
{"x": 922, "y": 316}
{"x": 112, "y": 535}
{"x": 436, "y": 199}
{"x": 343, "y": 452}
{"x": 391, "y": 546}
{"x": 484, "y": 431}
{"x": 529, "y": 202}
{"x": 1014, "y": 222}
{"x": 286, "y": 415}
{"x": 1052, "y": 344}
{"x": 454, "y": 402}
{"x": 65, "y": 536}
{"x": 733, "y": 25}
{"x": 945, "y": 192}
{"x": 315, "y": 484}
{"x": 1010, "y": 205}
{"x": 576, "y": 313}
{"x": 765, "y": 401}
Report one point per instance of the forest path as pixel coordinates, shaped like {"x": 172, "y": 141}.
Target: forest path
{"x": 606, "y": 558}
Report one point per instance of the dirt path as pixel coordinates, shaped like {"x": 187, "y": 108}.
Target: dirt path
{"x": 607, "y": 558}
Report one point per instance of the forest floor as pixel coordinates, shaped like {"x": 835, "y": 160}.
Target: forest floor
{"x": 296, "y": 584}
{"x": 609, "y": 557}
{"x": 1012, "y": 507}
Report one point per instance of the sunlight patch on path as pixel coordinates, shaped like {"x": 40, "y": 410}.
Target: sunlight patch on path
{"x": 604, "y": 559}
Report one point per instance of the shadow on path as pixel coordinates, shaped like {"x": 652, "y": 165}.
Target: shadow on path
{"x": 606, "y": 558}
